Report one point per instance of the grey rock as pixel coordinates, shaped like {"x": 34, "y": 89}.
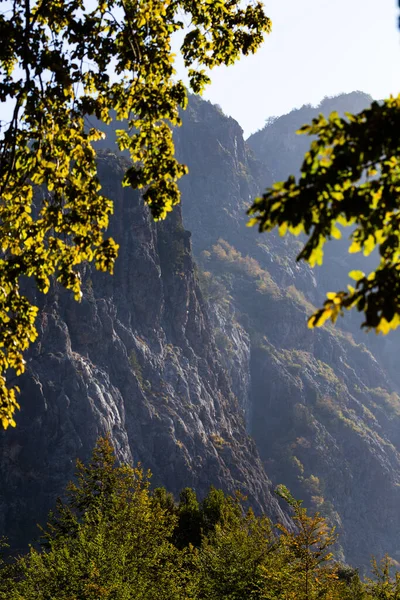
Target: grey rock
{"x": 136, "y": 359}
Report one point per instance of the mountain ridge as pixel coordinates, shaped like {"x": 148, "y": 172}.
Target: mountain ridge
{"x": 323, "y": 403}
{"x": 181, "y": 355}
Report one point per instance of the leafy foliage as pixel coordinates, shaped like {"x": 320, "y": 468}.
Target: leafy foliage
{"x": 110, "y": 540}
{"x": 234, "y": 553}
{"x": 60, "y": 63}
{"x": 115, "y": 538}
{"x": 349, "y": 178}
{"x": 310, "y": 572}
{"x": 385, "y": 585}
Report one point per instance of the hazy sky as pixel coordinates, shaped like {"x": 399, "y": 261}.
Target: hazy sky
{"x": 317, "y": 48}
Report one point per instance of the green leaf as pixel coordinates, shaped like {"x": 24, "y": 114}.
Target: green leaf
{"x": 57, "y": 66}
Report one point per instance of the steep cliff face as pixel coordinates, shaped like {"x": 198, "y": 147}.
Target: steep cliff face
{"x": 322, "y": 406}
{"x": 323, "y": 413}
{"x": 224, "y": 178}
{"x": 177, "y": 374}
{"x": 136, "y": 358}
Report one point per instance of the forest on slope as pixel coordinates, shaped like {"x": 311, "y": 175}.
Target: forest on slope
{"x": 115, "y": 537}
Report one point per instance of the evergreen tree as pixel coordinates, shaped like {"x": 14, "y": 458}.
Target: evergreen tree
{"x": 188, "y": 530}
{"x": 385, "y": 584}
{"x": 118, "y": 547}
{"x": 8, "y": 573}
{"x": 212, "y": 509}
{"x": 311, "y": 572}
{"x": 232, "y": 554}
{"x": 350, "y": 586}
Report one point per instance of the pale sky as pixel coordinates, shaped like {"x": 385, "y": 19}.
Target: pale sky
{"x": 317, "y": 48}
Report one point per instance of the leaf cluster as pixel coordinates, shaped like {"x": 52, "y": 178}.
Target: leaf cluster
{"x": 350, "y": 178}
{"x": 61, "y": 63}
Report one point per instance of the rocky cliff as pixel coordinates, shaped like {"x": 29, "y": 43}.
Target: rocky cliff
{"x": 322, "y": 406}
{"x": 179, "y": 362}
{"x": 136, "y": 358}
{"x": 278, "y": 145}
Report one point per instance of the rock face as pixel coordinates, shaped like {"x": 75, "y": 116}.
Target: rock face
{"x": 179, "y": 362}
{"x": 136, "y": 358}
{"x": 322, "y": 406}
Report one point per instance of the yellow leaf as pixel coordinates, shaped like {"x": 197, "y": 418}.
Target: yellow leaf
{"x": 313, "y": 321}
{"x": 283, "y": 229}
{"x": 297, "y": 230}
{"x": 355, "y": 247}
{"x": 336, "y": 233}
{"x": 376, "y": 196}
{"x": 383, "y": 327}
{"x": 356, "y": 275}
{"x": 369, "y": 245}
{"x": 316, "y": 257}
{"x": 395, "y": 322}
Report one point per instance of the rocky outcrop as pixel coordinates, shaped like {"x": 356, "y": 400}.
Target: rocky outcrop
{"x": 323, "y": 405}
{"x": 136, "y": 358}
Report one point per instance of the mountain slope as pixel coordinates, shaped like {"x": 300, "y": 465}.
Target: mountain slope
{"x": 135, "y": 358}
{"x": 179, "y": 373}
{"x": 322, "y": 406}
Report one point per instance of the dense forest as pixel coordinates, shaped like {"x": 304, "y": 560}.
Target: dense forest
{"x": 115, "y": 537}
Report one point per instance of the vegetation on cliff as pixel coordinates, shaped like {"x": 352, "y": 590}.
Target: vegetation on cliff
{"x": 323, "y": 416}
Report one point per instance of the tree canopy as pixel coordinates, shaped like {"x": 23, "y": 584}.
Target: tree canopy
{"x": 113, "y": 537}
{"x": 350, "y": 178}
{"x": 61, "y": 62}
